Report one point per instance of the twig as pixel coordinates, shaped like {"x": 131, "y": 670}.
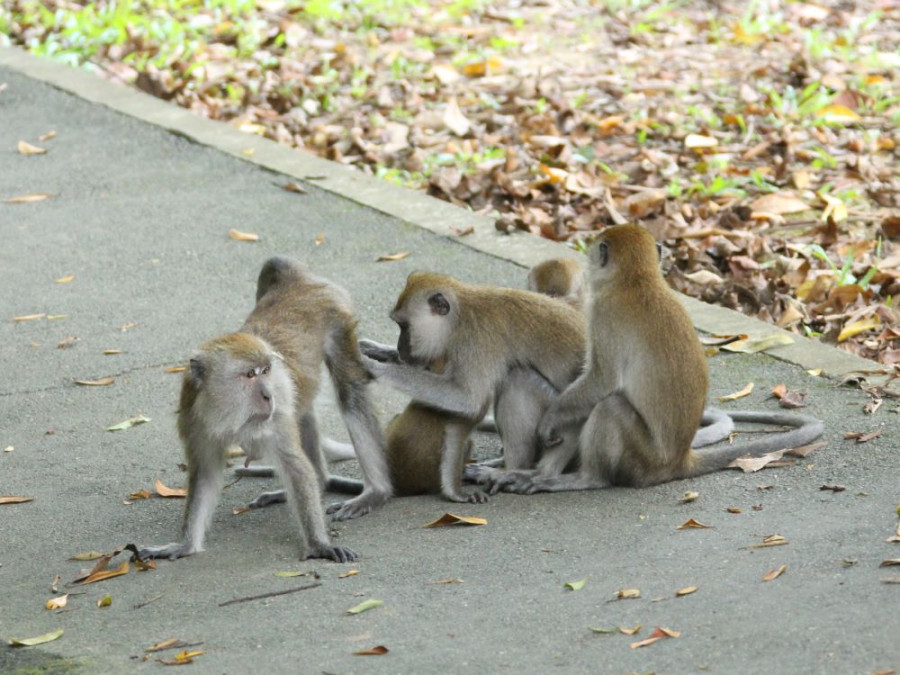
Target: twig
{"x": 147, "y": 602}
{"x": 269, "y": 595}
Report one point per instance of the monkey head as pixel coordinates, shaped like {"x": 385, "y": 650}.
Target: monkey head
{"x": 237, "y": 383}
{"x": 623, "y": 253}
{"x": 426, "y": 312}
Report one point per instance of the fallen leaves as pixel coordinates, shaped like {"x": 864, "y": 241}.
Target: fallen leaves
{"x": 127, "y": 424}
{"x": 57, "y": 603}
{"x": 365, "y": 606}
{"x": 770, "y": 540}
{"x": 689, "y": 497}
{"x": 380, "y": 650}
{"x": 28, "y": 199}
{"x": 454, "y": 519}
{"x": 392, "y": 257}
{"x": 771, "y": 575}
{"x": 164, "y": 491}
{"x": 746, "y": 391}
{"x": 39, "y": 640}
{"x": 575, "y": 585}
{"x": 26, "y": 148}
{"x": 9, "y": 499}
{"x": 102, "y": 382}
{"x": 687, "y": 590}
{"x": 692, "y": 524}
{"x": 628, "y": 594}
{"x": 862, "y": 437}
{"x": 237, "y": 235}
{"x": 657, "y": 635}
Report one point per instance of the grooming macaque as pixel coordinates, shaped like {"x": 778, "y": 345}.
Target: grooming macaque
{"x": 639, "y": 400}
{"x": 515, "y": 347}
{"x": 255, "y": 388}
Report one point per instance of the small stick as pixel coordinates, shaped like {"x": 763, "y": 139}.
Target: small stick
{"x": 269, "y": 595}
{"x": 146, "y": 602}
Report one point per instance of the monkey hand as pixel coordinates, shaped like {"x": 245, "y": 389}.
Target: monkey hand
{"x": 173, "y": 551}
{"x": 379, "y": 352}
{"x": 358, "y": 506}
{"x": 339, "y": 554}
{"x": 477, "y": 497}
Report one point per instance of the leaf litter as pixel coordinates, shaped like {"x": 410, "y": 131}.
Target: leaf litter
{"x": 773, "y": 172}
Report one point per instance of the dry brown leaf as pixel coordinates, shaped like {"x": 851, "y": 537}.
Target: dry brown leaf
{"x": 102, "y": 574}
{"x": 292, "y": 186}
{"x": 833, "y": 488}
{"x": 102, "y": 382}
{"x": 67, "y": 342}
{"x": 861, "y": 437}
{"x": 896, "y": 536}
{"x": 465, "y": 232}
{"x": 374, "y": 651}
{"x": 47, "y": 136}
{"x": 628, "y": 594}
{"x": 657, "y": 635}
{"x": 804, "y": 450}
{"x": 454, "y": 119}
{"x": 746, "y": 391}
{"x": 27, "y": 199}
{"x": 890, "y": 562}
{"x": 112, "y": 352}
{"x": 164, "y": 491}
{"x": 752, "y": 464}
{"x": 28, "y": 317}
{"x": 453, "y": 519}
{"x": 29, "y": 149}
{"x": 779, "y": 390}
{"x": 630, "y": 631}
{"x": 733, "y": 509}
{"x": 87, "y": 555}
{"x": 692, "y": 524}
{"x": 320, "y": 239}
{"x": 779, "y": 203}
{"x": 175, "y": 369}
{"x": 689, "y": 497}
{"x": 15, "y": 500}
{"x": 58, "y": 602}
{"x": 239, "y": 510}
{"x": 770, "y": 540}
{"x": 237, "y": 235}
{"x": 391, "y": 257}
{"x": 449, "y": 580}
{"x": 66, "y": 280}
{"x": 140, "y": 494}
{"x": 348, "y": 573}
{"x": 165, "y": 644}
{"x": 687, "y": 590}
{"x": 771, "y": 575}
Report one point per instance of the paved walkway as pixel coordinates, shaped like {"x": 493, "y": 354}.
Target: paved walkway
{"x": 139, "y": 217}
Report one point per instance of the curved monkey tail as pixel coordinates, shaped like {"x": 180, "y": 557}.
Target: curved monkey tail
{"x": 804, "y": 430}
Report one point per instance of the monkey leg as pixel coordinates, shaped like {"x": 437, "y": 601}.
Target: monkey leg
{"x": 453, "y": 459}
{"x": 204, "y": 483}
{"x": 302, "y": 492}
{"x": 351, "y": 378}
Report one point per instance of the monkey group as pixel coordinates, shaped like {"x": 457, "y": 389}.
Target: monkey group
{"x": 596, "y": 378}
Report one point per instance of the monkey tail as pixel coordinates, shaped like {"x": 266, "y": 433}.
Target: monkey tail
{"x": 714, "y": 427}
{"x": 344, "y": 486}
{"x": 804, "y": 430}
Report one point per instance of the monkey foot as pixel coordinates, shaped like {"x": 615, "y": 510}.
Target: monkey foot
{"x": 478, "y": 474}
{"x": 517, "y": 481}
{"x": 171, "y": 551}
{"x": 339, "y": 554}
{"x": 267, "y": 499}
{"x": 477, "y": 497}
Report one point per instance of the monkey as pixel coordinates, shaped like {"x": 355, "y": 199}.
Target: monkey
{"x": 255, "y": 388}
{"x": 641, "y": 395}
{"x": 559, "y": 278}
{"x": 516, "y": 347}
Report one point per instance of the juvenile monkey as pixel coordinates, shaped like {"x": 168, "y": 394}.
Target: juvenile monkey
{"x": 517, "y": 347}
{"x": 559, "y": 278}
{"x": 255, "y": 388}
{"x": 642, "y": 393}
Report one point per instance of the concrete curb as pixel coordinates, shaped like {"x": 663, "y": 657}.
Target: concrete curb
{"x": 412, "y": 207}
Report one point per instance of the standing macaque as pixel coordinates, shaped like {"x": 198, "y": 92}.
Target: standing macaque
{"x": 255, "y": 388}
{"x": 641, "y": 395}
{"x": 515, "y": 347}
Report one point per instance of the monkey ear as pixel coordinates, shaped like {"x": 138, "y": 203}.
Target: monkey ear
{"x": 198, "y": 370}
{"x": 603, "y": 253}
{"x": 439, "y": 304}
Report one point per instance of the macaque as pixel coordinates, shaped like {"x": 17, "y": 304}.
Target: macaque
{"x": 517, "y": 348}
{"x": 255, "y": 388}
{"x": 640, "y": 398}
{"x": 559, "y": 278}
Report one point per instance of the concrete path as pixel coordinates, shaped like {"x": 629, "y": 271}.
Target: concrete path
{"x": 139, "y": 216}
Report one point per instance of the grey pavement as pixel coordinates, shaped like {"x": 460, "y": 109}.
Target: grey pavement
{"x": 144, "y": 195}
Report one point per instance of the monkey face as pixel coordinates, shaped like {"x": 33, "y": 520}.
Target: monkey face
{"x": 425, "y": 319}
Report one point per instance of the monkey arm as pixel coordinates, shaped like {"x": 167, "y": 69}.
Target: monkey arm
{"x": 436, "y": 390}
{"x": 572, "y": 408}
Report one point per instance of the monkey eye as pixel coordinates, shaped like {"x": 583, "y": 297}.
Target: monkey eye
{"x": 266, "y": 369}
{"x": 250, "y": 374}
